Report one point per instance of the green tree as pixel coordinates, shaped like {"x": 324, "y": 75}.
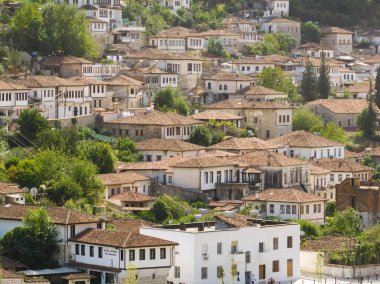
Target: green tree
{"x": 31, "y": 122}
{"x": 274, "y": 43}
{"x": 367, "y": 121}
{"x": 59, "y": 139}
{"x": 276, "y": 79}
{"x": 330, "y": 208}
{"x": 161, "y": 211}
{"x": 377, "y": 88}
{"x": 324, "y": 85}
{"x": 310, "y": 229}
{"x": 333, "y": 132}
{"x": 310, "y": 32}
{"x": 131, "y": 274}
{"x": 126, "y": 150}
{"x": 35, "y": 243}
{"x": 308, "y": 87}
{"x": 215, "y": 47}
{"x": 169, "y": 99}
{"x": 201, "y": 135}
{"x": 346, "y": 223}
{"x": 4, "y": 16}
{"x": 100, "y": 154}
{"x": 304, "y": 119}
{"x": 221, "y": 274}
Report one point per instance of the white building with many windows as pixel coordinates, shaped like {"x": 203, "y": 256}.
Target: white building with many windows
{"x": 107, "y": 254}
{"x": 259, "y": 250}
{"x": 13, "y": 99}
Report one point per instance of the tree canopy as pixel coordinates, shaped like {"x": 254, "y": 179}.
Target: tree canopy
{"x": 31, "y": 123}
{"x": 201, "y": 135}
{"x": 367, "y": 121}
{"x": 346, "y": 223}
{"x": 310, "y": 32}
{"x": 308, "y": 87}
{"x": 169, "y": 99}
{"x": 274, "y": 43}
{"x": 304, "y": 119}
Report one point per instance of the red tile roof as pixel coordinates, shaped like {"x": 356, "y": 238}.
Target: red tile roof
{"x": 132, "y": 197}
{"x": 291, "y": 195}
{"x": 122, "y": 178}
{"x": 167, "y": 145}
{"x": 341, "y": 165}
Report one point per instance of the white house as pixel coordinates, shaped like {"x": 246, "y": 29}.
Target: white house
{"x": 321, "y": 184}
{"x": 259, "y": 250}
{"x": 107, "y": 254}
{"x": 13, "y": 99}
{"x": 11, "y": 194}
{"x": 313, "y": 49}
{"x": 306, "y": 145}
{"x": 68, "y": 223}
{"x": 337, "y": 38}
{"x": 276, "y": 8}
{"x": 283, "y": 25}
{"x": 127, "y": 92}
{"x": 288, "y": 203}
{"x": 161, "y": 149}
{"x": 174, "y": 5}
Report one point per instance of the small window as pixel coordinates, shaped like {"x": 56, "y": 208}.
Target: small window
{"x": 290, "y": 242}
{"x": 219, "y": 248}
{"x": 261, "y": 247}
{"x": 275, "y": 243}
{"x": 275, "y": 266}
{"x": 152, "y": 253}
{"x": 142, "y": 254}
{"x": 162, "y": 253}
{"x": 132, "y": 255}
{"x": 100, "y": 252}
{"x": 177, "y": 272}
{"x": 271, "y": 208}
{"x": 77, "y": 249}
{"x": 83, "y": 250}
{"x": 121, "y": 255}
{"x": 294, "y": 209}
{"x": 204, "y": 272}
{"x": 247, "y": 257}
{"x": 91, "y": 251}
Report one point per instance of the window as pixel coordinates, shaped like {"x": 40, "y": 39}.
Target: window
{"x": 315, "y": 208}
{"x": 287, "y": 209}
{"x": 142, "y": 254}
{"x": 332, "y": 177}
{"x": 262, "y": 271}
{"x": 72, "y": 230}
{"x": 100, "y": 252}
{"x": 234, "y": 246}
{"x": 282, "y": 209}
{"x": 302, "y": 208}
{"x": 121, "y": 255}
{"x": 294, "y": 209}
{"x": 177, "y": 272}
{"x": 76, "y": 249}
{"x": 247, "y": 257}
{"x": 83, "y": 250}
{"x": 271, "y": 208}
{"x": 206, "y": 177}
{"x": 275, "y": 266}
{"x": 275, "y": 243}
{"x": 219, "y": 248}
{"x": 204, "y": 273}
{"x": 211, "y": 177}
{"x": 290, "y": 242}
{"x": 261, "y": 247}
{"x": 290, "y": 267}
{"x": 319, "y": 208}
{"x": 340, "y": 177}
{"x": 209, "y": 85}
{"x": 307, "y": 209}
{"x": 219, "y": 270}
{"x": 91, "y": 251}
{"x": 131, "y": 255}
{"x": 152, "y": 253}
{"x": 162, "y": 253}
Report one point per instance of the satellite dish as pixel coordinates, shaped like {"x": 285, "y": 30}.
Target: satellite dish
{"x": 33, "y": 191}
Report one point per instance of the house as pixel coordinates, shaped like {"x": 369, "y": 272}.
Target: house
{"x": 283, "y": 25}
{"x": 272, "y": 170}
{"x": 363, "y": 197}
{"x": 63, "y": 66}
{"x": 118, "y": 183}
{"x": 133, "y": 35}
{"x": 107, "y": 254}
{"x": 57, "y": 97}
{"x": 305, "y": 145}
{"x": 312, "y": 49}
{"x": 101, "y": 71}
{"x": 240, "y": 145}
{"x": 343, "y": 168}
{"x": 223, "y": 85}
{"x": 158, "y": 171}
{"x": 338, "y": 39}
{"x": 160, "y": 149}
{"x": 343, "y": 113}
{"x": 155, "y": 79}
{"x": 174, "y": 5}
{"x": 99, "y": 30}
{"x": 356, "y": 156}
{"x": 356, "y": 91}
{"x": 131, "y": 202}
{"x": 11, "y": 194}
{"x": 374, "y": 153}
{"x": 154, "y": 124}
{"x": 108, "y": 11}
{"x": 288, "y": 204}
{"x": 260, "y": 93}
{"x": 270, "y": 119}
{"x": 68, "y": 223}
{"x": 201, "y": 174}
{"x": 246, "y": 29}
{"x": 219, "y": 117}
{"x": 230, "y": 40}
{"x": 276, "y": 8}
{"x": 259, "y": 249}
{"x": 127, "y": 92}
{"x": 13, "y": 99}
{"x": 177, "y": 39}
{"x": 321, "y": 184}
{"x": 187, "y": 65}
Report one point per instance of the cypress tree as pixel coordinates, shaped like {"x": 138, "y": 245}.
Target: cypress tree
{"x": 377, "y": 87}
{"x": 324, "y": 85}
{"x": 308, "y": 87}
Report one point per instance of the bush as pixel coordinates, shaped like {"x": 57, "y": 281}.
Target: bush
{"x": 310, "y": 229}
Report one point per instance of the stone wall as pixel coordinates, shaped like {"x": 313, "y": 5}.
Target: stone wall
{"x": 187, "y": 194}
{"x": 85, "y": 120}
{"x": 121, "y": 130}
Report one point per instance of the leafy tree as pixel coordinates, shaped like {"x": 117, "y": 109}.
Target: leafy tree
{"x": 308, "y": 87}
{"x": 310, "y": 229}
{"x": 161, "y": 211}
{"x": 100, "y": 154}
{"x": 59, "y": 139}
{"x": 310, "y": 32}
{"x": 215, "y": 47}
{"x": 324, "y": 85}
{"x": 126, "y": 150}
{"x": 276, "y": 79}
{"x": 330, "y": 208}
{"x": 377, "y": 88}
{"x": 304, "y": 119}
{"x": 170, "y": 208}
{"x": 274, "y": 43}
{"x": 367, "y": 121}
{"x": 4, "y": 16}
{"x": 31, "y": 122}
{"x": 35, "y": 243}
{"x": 168, "y": 99}
{"x": 333, "y": 132}
{"x": 346, "y": 223}
{"x": 131, "y": 274}
{"x": 201, "y": 135}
